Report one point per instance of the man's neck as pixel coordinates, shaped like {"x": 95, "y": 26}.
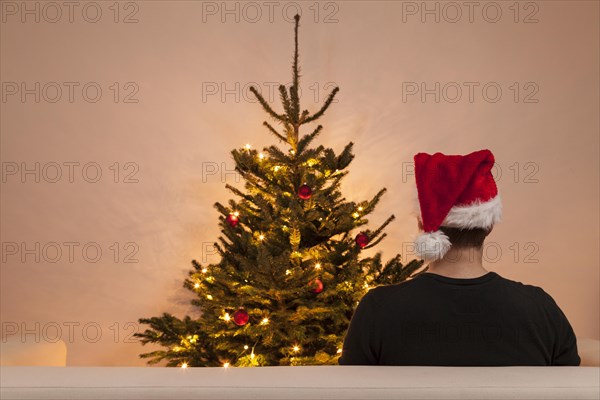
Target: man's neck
{"x": 465, "y": 263}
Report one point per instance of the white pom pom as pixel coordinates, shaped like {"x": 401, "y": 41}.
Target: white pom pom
{"x": 432, "y": 246}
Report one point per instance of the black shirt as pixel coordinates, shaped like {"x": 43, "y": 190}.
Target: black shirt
{"x": 441, "y": 321}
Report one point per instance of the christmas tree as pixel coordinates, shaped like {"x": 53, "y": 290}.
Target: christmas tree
{"x": 290, "y": 274}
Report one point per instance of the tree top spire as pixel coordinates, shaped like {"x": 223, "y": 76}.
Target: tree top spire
{"x": 291, "y": 119}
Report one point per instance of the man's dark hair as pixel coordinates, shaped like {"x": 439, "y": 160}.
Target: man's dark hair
{"x": 473, "y": 237}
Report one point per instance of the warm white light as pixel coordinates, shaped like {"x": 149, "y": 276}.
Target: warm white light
{"x": 360, "y": 208}
{"x": 292, "y": 151}
{"x": 261, "y": 156}
{"x": 184, "y": 365}
{"x": 208, "y": 296}
{"x": 356, "y": 215}
{"x": 264, "y": 321}
{"x": 252, "y": 355}
{"x": 226, "y": 317}
{"x": 276, "y": 168}
{"x": 339, "y": 351}
{"x": 318, "y": 266}
{"x": 246, "y": 347}
{"x": 204, "y": 270}
{"x": 248, "y": 146}
{"x": 296, "y": 348}
{"x": 287, "y": 272}
{"x": 236, "y": 213}
{"x": 196, "y": 285}
{"x": 261, "y": 237}
{"x": 226, "y": 365}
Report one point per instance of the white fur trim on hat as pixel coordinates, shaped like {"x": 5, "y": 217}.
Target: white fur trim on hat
{"x": 432, "y": 246}
{"x": 475, "y": 215}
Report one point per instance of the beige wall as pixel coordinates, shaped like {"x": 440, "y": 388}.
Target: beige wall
{"x": 171, "y": 59}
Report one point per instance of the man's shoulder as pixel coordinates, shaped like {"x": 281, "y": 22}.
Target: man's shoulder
{"x": 544, "y": 301}
{"x": 407, "y": 285}
{"x": 530, "y": 290}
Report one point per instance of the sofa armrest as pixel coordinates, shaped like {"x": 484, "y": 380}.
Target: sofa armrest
{"x": 311, "y": 382}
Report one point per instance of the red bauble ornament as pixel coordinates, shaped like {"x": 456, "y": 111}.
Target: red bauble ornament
{"x": 304, "y": 192}
{"x": 316, "y": 285}
{"x": 362, "y": 240}
{"x": 240, "y": 317}
{"x": 232, "y": 220}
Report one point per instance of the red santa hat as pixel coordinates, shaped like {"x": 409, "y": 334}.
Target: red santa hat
{"x": 454, "y": 191}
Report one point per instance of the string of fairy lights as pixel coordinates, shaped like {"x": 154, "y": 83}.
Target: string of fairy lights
{"x": 242, "y": 318}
